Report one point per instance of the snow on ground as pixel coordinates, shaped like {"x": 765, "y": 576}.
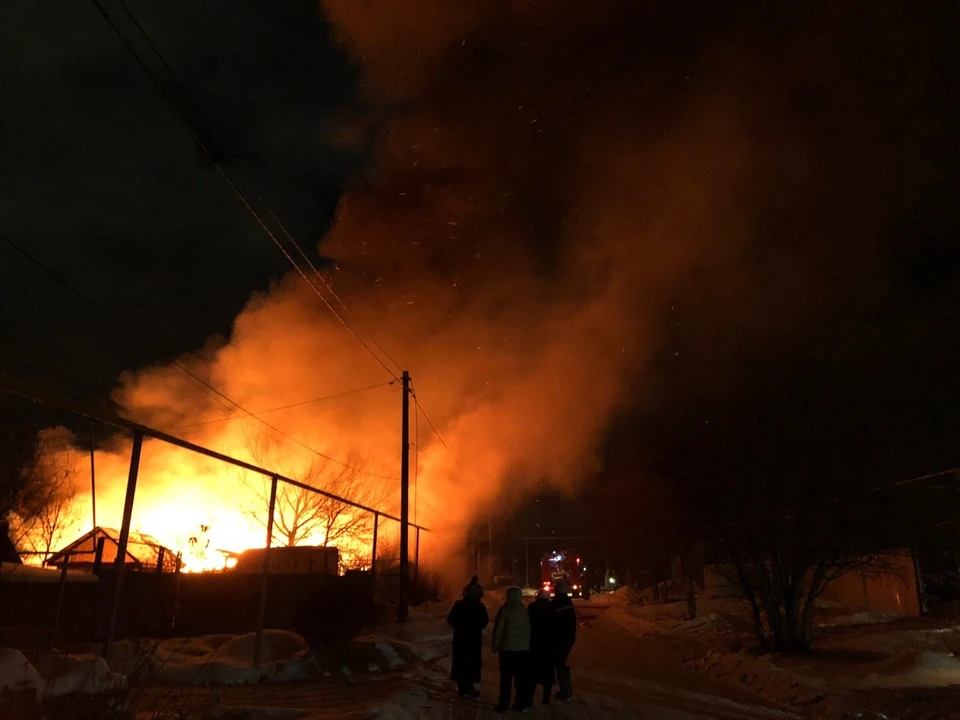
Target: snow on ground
{"x": 65, "y": 676}
{"x": 860, "y": 618}
{"x": 407, "y": 705}
{"x": 249, "y": 712}
{"x": 217, "y": 659}
{"x": 929, "y": 671}
{"x": 84, "y": 675}
{"x": 423, "y": 637}
{"x": 17, "y": 674}
{"x": 853, "y": 652}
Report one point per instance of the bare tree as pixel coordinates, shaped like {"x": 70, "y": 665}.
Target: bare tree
{"x": 783, "y": 564}
{"x": 302, "y": 514}
{"x": 45, "y": 508}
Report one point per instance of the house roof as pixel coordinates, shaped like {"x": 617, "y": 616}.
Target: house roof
{"x": 142, "y": 550}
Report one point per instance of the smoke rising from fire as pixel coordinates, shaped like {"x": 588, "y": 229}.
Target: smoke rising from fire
{"x": 545, "y": 179}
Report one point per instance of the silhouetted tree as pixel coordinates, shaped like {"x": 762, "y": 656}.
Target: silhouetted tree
{"x": 44, "y": 508}
{"x": 302, "y": 514}
{"x": 782, "y": 563}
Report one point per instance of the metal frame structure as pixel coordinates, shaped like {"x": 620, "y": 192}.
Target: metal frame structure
{"x": 139, "y": 432}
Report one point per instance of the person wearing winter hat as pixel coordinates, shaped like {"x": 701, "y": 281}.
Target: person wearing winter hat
{"x": 511, "y": 641}
{"x": 473, "y": 586}
{"x": 565, "y": 636}
{"x": 469, "y": 618}
{"x": 542, "y": 645}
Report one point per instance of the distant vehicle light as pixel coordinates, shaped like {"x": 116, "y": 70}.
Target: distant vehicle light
{"x": 578, "y": 561}
{"x": 613, "y": 581}
{"x": 576, "y": 587}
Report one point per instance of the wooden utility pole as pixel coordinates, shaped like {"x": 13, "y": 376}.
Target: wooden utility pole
{"x": 403, "y": 609}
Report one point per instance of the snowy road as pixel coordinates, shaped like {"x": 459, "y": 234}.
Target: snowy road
{"x": 617, "y": 676}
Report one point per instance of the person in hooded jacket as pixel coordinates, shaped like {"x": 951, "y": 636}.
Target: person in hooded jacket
{"x": 511, "y": 641}
{"x": 469, "y": 618}
{"x": 542, "y": 645}
{"x": 565, "y": 636}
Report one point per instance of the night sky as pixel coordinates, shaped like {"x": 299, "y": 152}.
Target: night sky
{"x": 822, "y": 339}
{"x": 102, "y": 182}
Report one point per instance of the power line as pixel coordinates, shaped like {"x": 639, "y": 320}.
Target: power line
{"x": 434, "y": 428}
{"x": 203, "y": 147}
{"x": 179, "y": 366}
{"x": 290, "y": 406}
{"x": 28, "y": 390}
{"x": 327, "y": 284}
{"x": 431, "y": 507}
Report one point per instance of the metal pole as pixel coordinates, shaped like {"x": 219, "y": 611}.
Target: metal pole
{"x": 98, "y": 555}
{"x": 63, "y": 585}
{"x": 403, "y": 609}
{"x": 526, "y": 560}
{"x": 416, "y": 558}
{"x": 258, "y": 645}
{"x": 490, "y": 561}
{"x": 124, "y": 537}
{"x": 373, "y": 553}
{"x": 93, "y": 480}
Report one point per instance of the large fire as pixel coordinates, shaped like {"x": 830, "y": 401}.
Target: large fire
{"x": 510, "y": 241}
{"x": 208, "y": 510}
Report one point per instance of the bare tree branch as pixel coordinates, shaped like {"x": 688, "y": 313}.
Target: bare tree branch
{"x": 302, "y": 516}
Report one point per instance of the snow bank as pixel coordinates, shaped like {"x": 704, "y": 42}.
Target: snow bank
{"x": 432, "y": 609}
{"x": 218, "y": 659}
{"x": 424, "y": 638}
{"x": 389, "y": 653}
{"x": 85, "y": 675}
{"x": 860, "y": 618}
{"x": 17, "y": 674}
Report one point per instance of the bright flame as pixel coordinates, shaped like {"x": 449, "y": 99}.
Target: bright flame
{"x": 209, "y": 511}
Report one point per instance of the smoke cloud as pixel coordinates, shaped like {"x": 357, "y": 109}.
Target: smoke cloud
{"x": 546, "y": 180}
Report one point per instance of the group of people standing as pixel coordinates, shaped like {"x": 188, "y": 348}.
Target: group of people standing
{"x": 533, "y": 644}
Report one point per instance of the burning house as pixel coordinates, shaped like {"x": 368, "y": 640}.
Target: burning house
{"x": 298, "y": 560}
{"x": 101, "y": 546}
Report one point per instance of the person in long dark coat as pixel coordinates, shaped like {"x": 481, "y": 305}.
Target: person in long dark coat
{"x": 468, "y": 617}
{"x": 565, "y": 636}
{"x": 542, "y": 645}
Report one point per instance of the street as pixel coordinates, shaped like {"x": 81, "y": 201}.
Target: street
{"x": 617, "y": 675}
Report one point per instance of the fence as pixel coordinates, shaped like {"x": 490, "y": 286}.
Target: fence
{"x": 148, "y": 594}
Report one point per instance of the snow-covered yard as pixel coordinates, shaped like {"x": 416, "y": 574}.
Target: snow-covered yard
{"x": 226, "y": 661}
{"x": 855, "y": 654}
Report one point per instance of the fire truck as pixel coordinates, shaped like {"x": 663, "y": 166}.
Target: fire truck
{"x": 564, "y": 565}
